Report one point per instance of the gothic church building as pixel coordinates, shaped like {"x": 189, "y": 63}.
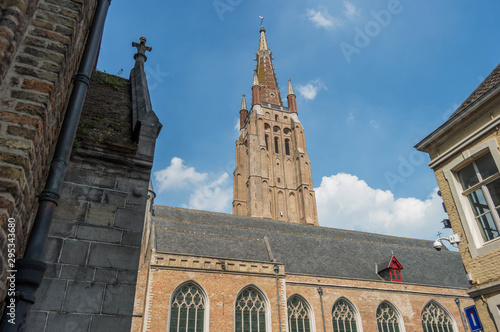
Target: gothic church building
{"x": 270, "y": 266}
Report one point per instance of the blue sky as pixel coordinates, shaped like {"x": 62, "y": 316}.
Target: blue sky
{"x": 372, "y": 79}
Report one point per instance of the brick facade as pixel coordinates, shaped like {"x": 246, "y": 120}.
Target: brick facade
{"x": 40, "y": 48}
{"x": 222, "y": 286}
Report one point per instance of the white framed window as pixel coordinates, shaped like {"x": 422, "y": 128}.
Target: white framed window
{"x": 300, "y": 317}
{"x": 474, "y": 180}
{"x": 389, "y": 319}
{"x": 251, "y": 311}
{"x": 345, "y": 317}
{"x": 436, "y": 318}
{"x": 188, "y": 308}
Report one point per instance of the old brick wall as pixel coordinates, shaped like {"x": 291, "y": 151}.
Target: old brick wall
{"x": 168, "y": 271}
{"x": 40, "y": 48}
{"x": 95, "y": 240}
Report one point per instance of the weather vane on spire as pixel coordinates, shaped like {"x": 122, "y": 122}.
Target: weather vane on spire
{"x": 261, "y": 20}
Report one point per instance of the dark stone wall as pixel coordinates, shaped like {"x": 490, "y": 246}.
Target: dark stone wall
{"x": 95, "y": 240}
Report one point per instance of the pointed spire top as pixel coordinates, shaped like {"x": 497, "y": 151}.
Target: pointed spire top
{"x": 290, "y": 88}
{"x": 263, "y": 42}
{"x": 243, "y": 103}
{"x": 255, "y": 79}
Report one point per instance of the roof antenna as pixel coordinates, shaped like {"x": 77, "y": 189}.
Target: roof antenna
{"x": 261, "y": 21}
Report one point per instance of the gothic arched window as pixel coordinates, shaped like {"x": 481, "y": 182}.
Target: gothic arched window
{"x": 434, "y": 318}
{"x": 187, "y": 311}
{"x": 387, "y": 318}
{"x": 287, "y": 147}
{"x": 344, "y": 317}
{"x": 299, "y": 319}
{"x": 276, "y": 145}
{"x": 250, "y": 311}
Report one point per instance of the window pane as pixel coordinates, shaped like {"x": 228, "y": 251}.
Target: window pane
{"x": 250, "y": 312}
{"x": 187, "y": 310}
{"x": 387, "y": 320}
{"x": 434, "y": 318}
{"x": 298, "y": 315}
{"x": 478, "y": 202}
{"x": 343, "y": 317}
{"x": 494, "y": 189}
{"x": 468, "y": 177}
{"x": 487, "y": 227}
{"x": 486, "y": 166}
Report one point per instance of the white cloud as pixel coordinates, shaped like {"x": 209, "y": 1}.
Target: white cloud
{"x": 177, "y": 176}
{"x": 374, "y": 124}
{"x": 321, "y": 18}
{"x": 345, "y": 201}
{"x": 350, "y": 10}
{"x": 205, "y": 192}
{"x": 212, "y": 196}
{"x": 311, "y": 89}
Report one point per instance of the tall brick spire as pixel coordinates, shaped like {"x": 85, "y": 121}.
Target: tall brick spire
{"x": 272, "y": 178}
{"x": 270, "y": 92}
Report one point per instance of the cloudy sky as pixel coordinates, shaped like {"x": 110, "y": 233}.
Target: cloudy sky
{"x": 372, "y": 78}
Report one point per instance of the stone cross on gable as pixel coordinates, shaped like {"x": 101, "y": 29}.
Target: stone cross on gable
{"x": 141, "y": 49}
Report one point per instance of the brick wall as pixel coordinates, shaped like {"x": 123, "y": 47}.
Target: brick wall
{"x": 168, "y": 271}
{"x": 40, "y": 48}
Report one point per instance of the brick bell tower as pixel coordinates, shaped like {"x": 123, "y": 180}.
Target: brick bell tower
{"x": 272, "y": 178}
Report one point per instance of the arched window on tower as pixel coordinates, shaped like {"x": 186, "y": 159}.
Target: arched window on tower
{"x": 250, "y": 311}
{"x": 388, "y": 319}
{"x": 267, "y": 142}
{"x": 276, "y": 145}
{"x": 435, "y": 318}
{"x": 299, "y": 319}
{"x": 187, "y": 311}
{"x": 344, "y": 317}
{"x": 287, "y": 147}
{"x": 276, "y": 117}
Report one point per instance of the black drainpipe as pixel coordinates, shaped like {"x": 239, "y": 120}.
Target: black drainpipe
{"x": 320, "y": 292}
{"x": 457, "y": 301}
{"x": 28, "y": 271}
{"x": 276, "y": 270}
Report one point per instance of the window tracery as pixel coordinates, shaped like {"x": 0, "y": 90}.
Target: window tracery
{"x": 250, "y": 311}
{"x": 343, "y": 317}
{"x": 434, "y": 318}
{"x": 298, "y": 315}
{"x": 187, "y": 311}
{"x": 387, "y": 318}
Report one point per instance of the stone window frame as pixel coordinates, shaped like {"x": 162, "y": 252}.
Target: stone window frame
{"x": 265, "y": 299}
{"x": 401, "y": 324}
{"x": 307, "y": 305}
{"x": 477, "y": 246}
{"x": 494, "y": 308}
{"x": 446, "y": 312}
{"x": 206, "y": 317}
{"x": 354, "y": 309}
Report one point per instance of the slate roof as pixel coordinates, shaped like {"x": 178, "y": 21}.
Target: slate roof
{"x": 489, "y": 83}
{"x": 308, "y": 250}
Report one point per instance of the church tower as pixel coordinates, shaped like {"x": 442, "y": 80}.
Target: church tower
{"x": 272, "y": 178}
